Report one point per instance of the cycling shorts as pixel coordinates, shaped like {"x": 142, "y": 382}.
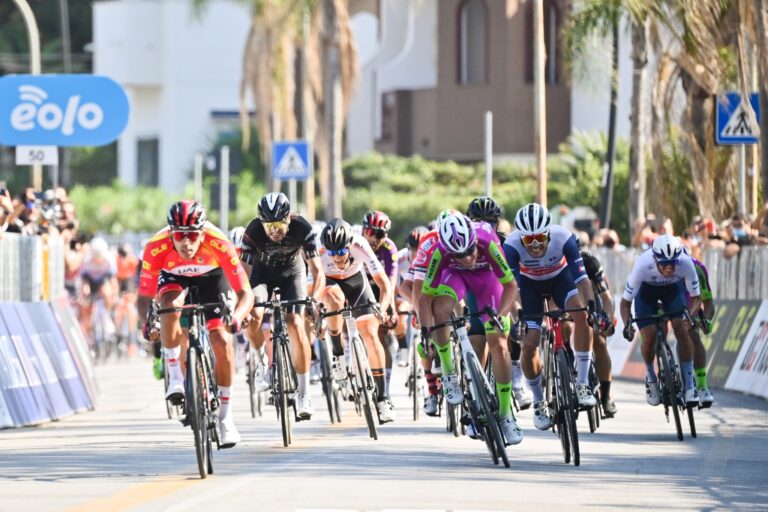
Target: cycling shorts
{"x": 483, "y": 283}
{"x": 671, "y": 296}
{"x": 476, "y": 326}
{"x": 209, "y": 287}
{"x": 532, "y": 294}
{"x": 292, "y": 281}
{"x": 356, "y": 290}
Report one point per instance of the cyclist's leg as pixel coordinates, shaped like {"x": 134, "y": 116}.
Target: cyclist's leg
{"x": 646, "y": 304}
{"x": 603, "y": 370}
{"x": 332, "y": 297}
{"x": 253, "y": 329}
{"x": 476, "y": 330}
{"x": 171, "y": 333}
{"x": 566, "y": 294}
{"x": 402, "y": 306}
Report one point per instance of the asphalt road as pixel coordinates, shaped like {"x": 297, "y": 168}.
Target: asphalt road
{"x": 126, "y": 455}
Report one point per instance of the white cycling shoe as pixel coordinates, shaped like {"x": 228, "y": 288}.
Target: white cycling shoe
{"x": 175, "y": 391}
{"x": 652, "y": 393}
{"x": 541, "y": 418}
{"x": 452, "y": 389}
{"x": 386, "y": 411}
{"x": 338, "y": 369}
{"x": 305, "y": 409}
{"x": 512, "y": 432}
{"x": 402, "y": 357}
{"x": 430, "y": 405}
{"x": 522, "y": 397}
{"x": 585, "y": 396}
{"x": 229, "y": 434}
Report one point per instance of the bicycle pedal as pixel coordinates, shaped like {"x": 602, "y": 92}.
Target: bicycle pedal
{"x": 184, "y": 420}
{"x": 176, "y": 399}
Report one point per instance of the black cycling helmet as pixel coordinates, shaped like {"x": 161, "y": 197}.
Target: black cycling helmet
{"x": 414, "y": 237}
{"x": 484, "y": 208}
{"x": 336, "y": 235}
{"x": 187, "y": 215}
{"x": 274, "y": 206}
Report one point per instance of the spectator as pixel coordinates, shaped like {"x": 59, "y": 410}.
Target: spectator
{"x": 611, "y": 240}
{"x": 761, "y": 222}
{"x": 739, "y": 233}
{"x": 645, "y": 231}
{"x": 6, "y": 209}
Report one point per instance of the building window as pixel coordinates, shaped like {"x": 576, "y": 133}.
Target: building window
{"x": 473, "y": 42}
{"x": 552, "y": 24}
{"x": 148, "y": 162}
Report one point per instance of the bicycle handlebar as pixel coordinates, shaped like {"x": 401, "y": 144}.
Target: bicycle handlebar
{"x": 272, "y": 304}
{"x": 345, "y": 309}
{"x": 662, "y": 317}
{"x": 459, "y": 321}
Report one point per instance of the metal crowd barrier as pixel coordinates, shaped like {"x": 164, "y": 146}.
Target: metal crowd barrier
{"x": 31, "y": 269}
{"x": 744, "y": 276}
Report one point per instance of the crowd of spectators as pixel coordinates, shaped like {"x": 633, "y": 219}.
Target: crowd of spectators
{"x": 729, "y": 235}
{"x": 33, "y": 212}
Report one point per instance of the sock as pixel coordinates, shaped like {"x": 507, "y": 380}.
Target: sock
{"x": 701, "y": 378}
{"x": 535, "y": 385}
{"x": 446, "y": 358}
{"x": 582, "y": 366}
{"x": 303, "y": 380}
{"x": 379, "y": 379}
{"x": 172, "y": 360}
{"x": 338, "y": 348}
{"x": 517, "y": 375}
{"x": 687, "y": 370}
{"x": 431, "y": 383}
{"x": 650, "y": 372}
{"x": 224, "y": 396}
{"x": 504, "y": 392}
{"x": 401, "y": 342}
{"x": 605, "y": 390}
{"x": 388, "y": 377}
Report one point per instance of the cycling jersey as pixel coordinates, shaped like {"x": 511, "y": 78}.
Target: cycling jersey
{"x": 97, "y": 269}
{"x": 704, "y": 285}
{"x": 562, "y": 252}
{"x": 485, "y": 278}
{"x": 645, "y": 271}
{"x": 387, "y": 255}
{"x": 216, "y": 252}
{"x": 258, "y": 248}
{"x": 360, "y": 256}
{"x": 403, "y": 264}
{"x": 419, "y": 264}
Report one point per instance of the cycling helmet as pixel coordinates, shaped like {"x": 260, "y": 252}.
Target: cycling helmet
{"x": 484, "y": 208}
{"x": 187, "y": 215}
{"x": 532, "y": 219}
{"x": 457, "y": 233}
{"x": 336, "y": 235}
{"x": 236, "y": 235}
{"x": 377, "y": 220}
{"x": 414, "y": 237}
{"x": 99, "y": 247}
{"x": 274, "y": 207}
{"x": 666, "y": 247}
{"x": 443, "y": 214}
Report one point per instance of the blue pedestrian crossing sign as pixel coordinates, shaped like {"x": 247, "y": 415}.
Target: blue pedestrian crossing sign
{"x": 290, "y": 160}
{"x": 735, "y": 123}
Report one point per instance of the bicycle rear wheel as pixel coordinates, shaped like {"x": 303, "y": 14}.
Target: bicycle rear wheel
{"x": 196, "y": 410}
{"x": 327, "y": 379}
{"x": 366, "y": 387}
{"x": 281, "y": 400}
{"x": 569, "y": 405}
{"x": 169, "y": 407}
{"x": 251, "y": 377}
{"x": 492, "y": 436}
{"x": 594, "y": 413}
{"x": 691, "y": 420}
{"x": 669, "y": 389}
{"x": 413, "y": 379}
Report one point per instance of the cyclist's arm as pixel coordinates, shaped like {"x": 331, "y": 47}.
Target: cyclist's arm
{"x": 385, "y": 290}
{"x": 508, "y": 298}
{"x": 244, "y": 303}
{"x": 405, "y": 289}
{"x": 316, "y": 268}
{"x": 606, "y": 297}
{"x": 423, "y": 304}
{"x": 625, "y": 309}
{"x": 142, "y": 306}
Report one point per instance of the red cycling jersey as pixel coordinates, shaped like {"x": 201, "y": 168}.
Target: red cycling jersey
{"x": 216, "y": 251}
{"x": 420, "y": 263}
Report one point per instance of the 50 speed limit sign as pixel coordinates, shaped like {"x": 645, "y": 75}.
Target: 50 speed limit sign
{"x": 37, "y": 155}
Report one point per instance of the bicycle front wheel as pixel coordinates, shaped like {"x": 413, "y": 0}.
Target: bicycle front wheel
{"x": 669, "y": 390}
{"x": 366, "y": 387}
{"x": 414, "y": 382}
{"x": 281, "y": 400}
{"x": 251, "y": 376}
{"x": 196, "y": 409}
{"x": 486, "y": 405}
{"x": 569, "y": 406}
{"x": 327, "y": 379}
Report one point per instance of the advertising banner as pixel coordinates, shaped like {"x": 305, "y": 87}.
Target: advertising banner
{"x": 61, "y": 358}
{"x": 750, "y": 370}
{"x": 21, "y": 385}
{"x": 78, "y": 346}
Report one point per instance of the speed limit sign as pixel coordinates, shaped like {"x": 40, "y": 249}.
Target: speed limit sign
{"x": 37, "y": 155}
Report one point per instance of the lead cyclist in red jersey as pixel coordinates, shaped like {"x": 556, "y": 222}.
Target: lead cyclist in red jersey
{"x": 193, "y": 252}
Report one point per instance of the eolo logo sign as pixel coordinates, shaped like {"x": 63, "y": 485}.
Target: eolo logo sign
{"x": 61, "y": 110}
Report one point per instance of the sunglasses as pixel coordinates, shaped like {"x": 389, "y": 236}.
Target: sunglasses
{"x": 278, "y": 224}
{"x": 375, "y": 233}
{"x": 464, "y": 254}
{"x": 340, "y": 252}
{"x": 540, "y": 238}
{"x": 181, "y": 235}
{"x": 667, "y": 263}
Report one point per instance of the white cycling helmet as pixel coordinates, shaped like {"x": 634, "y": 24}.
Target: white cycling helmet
{"x": 442, "y": 215}
{"x": 236, "y": 235}
{"x": 666, "y": 247}
{"x": 99, "y": 246}
{"x": 532, "y": 219}
{"x": 457, "y": 233}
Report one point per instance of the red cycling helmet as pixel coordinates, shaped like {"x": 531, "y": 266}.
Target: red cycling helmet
{"x": 187, "y": 215}
{"x": 377, "y": 220}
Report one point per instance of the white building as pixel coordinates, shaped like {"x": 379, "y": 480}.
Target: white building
{"x": 182, "y": 75}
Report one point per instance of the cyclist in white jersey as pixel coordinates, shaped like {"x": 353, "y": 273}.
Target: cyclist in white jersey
{"x": 545, "y": 260}
{"x": 344, "y": 257}
{"x": 658, "y": 276}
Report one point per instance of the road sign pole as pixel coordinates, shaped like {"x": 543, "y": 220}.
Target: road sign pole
{"x": 199, "y": 177}
{"x": 292, "y": 195}
{"x": 488, "y": 153}
{"x": 742, "y": 179}
{"x": 224, "y": 191}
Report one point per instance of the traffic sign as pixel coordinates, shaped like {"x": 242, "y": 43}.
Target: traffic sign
{"x": 290, "y": 160}
{"x": 37, "y": 155}
{"x": 61, "y": 110}
{"x": 735, "y": 124}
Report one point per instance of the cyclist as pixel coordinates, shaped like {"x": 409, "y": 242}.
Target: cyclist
{"x": 376, "y": 226}
{"x": 127, "y": 269}
{"x": 98, "y": 273}
{"x": 271, "y": 255}
{"x": 193, "y": 252}
{"x": 468, "y": 257}
{"x": 706, "y": 314}
{"x": 545, "y": 260}
{"x": 344, "y": 255}
{"x": 658, "y": 276}
{"x": 236, "y": 237}
{"x": 486, "y": 209}
{"x": 404, "y": 289}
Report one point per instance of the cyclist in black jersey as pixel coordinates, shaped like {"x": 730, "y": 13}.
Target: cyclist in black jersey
{"x": 271, "y": 254}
